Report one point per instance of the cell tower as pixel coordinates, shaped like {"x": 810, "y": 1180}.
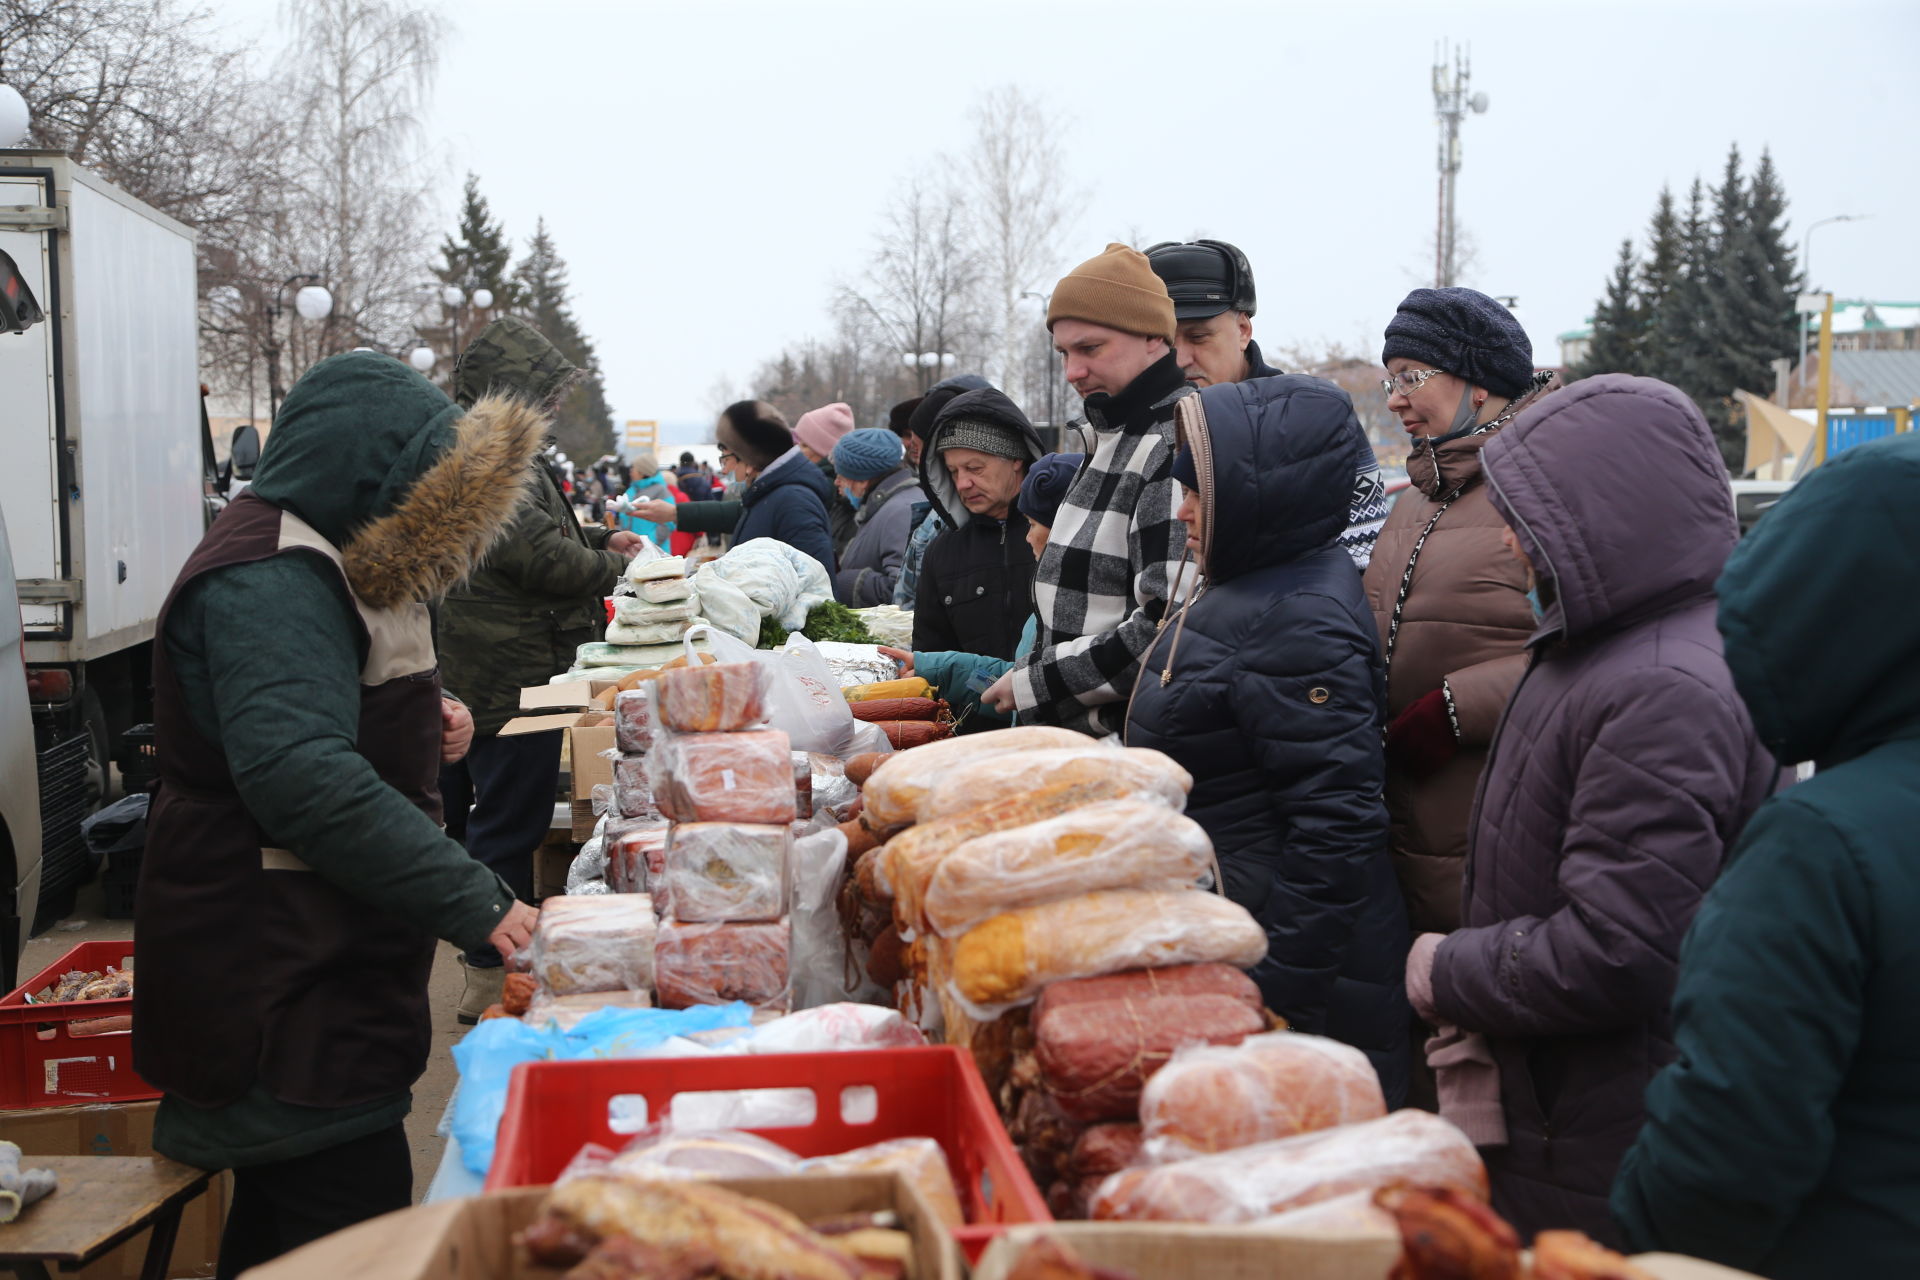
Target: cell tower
{"x": 1450, "y": 107}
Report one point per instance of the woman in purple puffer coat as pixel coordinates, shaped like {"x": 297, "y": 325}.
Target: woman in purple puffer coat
{"x": 1622, "y": 773}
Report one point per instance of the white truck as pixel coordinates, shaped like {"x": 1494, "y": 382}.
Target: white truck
{"x": 104, "y": 463}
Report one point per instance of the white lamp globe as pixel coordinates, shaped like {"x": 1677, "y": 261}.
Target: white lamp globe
{"x": 911, "y": 360}
{"x": 13, "y": 117}
{"x": 947, "y": 359}
{"x": 452, "y": 296}
{"x": 483, "y": 298}
{"x": 313, "y": 302}
{"x": 928, "y": 359}
{"x": 422, "y": 358}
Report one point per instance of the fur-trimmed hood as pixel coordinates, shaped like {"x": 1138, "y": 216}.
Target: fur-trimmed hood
{"x": 411, "y": 489}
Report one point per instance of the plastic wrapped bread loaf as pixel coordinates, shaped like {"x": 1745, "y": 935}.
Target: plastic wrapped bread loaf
{"x": 1010, "y": 957}
{"x": 728, "y": 871}
{"x": 724, "y": 777}
{"x": 697, "y": 964}
{"x": 722, "y": 698}
{"x": 1097, "y": 1041}
{"x": 899, "y": 786}
{"x": 633, "y": 721}
{"x": 1121, "y": 844}
{"x": 604, "y": 942}
{"x": 1149, "y": 775}
{"x": 637, "y": 855}
{"x": 1248, "y": 1183}
{"x": 1216, "y": 1098}
{"x": 920, "y": 1159}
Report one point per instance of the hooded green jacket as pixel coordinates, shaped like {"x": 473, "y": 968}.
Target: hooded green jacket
{"x": 269, "y": 655}
{"x": 538, "y": 595}
{"x": 1785, "y": 1139}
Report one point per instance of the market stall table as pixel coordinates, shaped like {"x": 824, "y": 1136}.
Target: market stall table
{"x": 102, "y": 1202}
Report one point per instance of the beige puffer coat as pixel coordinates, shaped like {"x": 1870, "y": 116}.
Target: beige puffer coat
{"x": 1463, "y": 618}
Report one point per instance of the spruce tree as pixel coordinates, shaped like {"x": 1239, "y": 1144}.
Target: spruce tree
{"x": 1749, "y": 304}
{"x": 1767, "y": 218}
{"x": 1618, "y": 323}
{"x": 583, "y": 422}
{"x": 1676, "y": 335}
{"x": 1660, "y": 275}
{"x": 478, "y": 255}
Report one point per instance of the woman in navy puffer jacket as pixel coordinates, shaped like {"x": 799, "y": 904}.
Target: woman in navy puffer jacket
{"x": 1268, "y": 687}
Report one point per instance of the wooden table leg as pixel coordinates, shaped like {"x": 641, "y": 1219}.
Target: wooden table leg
{"x": 27, "y": 1269}
{"x": 160, "y": 1244}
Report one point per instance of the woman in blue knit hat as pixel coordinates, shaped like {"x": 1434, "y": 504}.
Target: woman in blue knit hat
{"x": 873, "y": 474}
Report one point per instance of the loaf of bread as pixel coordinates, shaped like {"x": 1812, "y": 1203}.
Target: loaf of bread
{"x": 728, "y": 871}
{"x": 968, "y": 784}
{"x": 1254, "y": 1182}
{"x": 696, "y": 964}
{"x": 594, "y": 943}
{"x": 901, "y": 782}
{"x": 722, "y": 698}
{"x": 724, "y": 777}
{"x": 633, "y": 721}
{"x": 1120, "y": 844}
{"x": 1010, "y": 957}
{"x": 1277, "y": 1085}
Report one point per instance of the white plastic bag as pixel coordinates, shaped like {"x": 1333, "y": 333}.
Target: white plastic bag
{"x": 803, "y": 698}
{"x": 726, "y": 606}
{"x": 783, "y": 582}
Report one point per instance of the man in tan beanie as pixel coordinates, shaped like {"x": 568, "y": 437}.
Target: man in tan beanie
{"x": 1107, "y": 575}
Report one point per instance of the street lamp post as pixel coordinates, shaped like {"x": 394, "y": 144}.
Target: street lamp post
{"x": 1053, "y": 375}
{"x": 1806, "y": 270}
{"x": 927, "y": 362}
{"x": 312, "y": 302}
{"x": 454, "y": 299}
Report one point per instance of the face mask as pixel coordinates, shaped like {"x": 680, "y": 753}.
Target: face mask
{"x": 853, "y": 500}
{"x": 1533, "y": 599}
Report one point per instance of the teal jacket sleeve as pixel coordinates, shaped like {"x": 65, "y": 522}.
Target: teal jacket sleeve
{"x": 960, "y": 678}
{"x": 268, "y": 657}
{"x": 1767, "y": 1016}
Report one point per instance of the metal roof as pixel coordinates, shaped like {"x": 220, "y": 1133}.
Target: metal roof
{"x": 1888, "y": 378}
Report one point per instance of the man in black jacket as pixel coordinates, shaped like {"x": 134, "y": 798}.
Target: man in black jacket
{"x": 976, "y": 581}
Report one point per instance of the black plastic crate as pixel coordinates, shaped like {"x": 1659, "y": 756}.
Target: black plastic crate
{"x": 117, "y": 885}
{"x": 65, "y": 862}
{"x": 139, "y": 766}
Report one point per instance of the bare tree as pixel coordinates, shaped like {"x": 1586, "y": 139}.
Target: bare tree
{"x": 920, "y": 295}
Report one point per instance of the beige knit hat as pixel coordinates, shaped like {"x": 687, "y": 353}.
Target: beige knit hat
{"x": 1117, "y": 289}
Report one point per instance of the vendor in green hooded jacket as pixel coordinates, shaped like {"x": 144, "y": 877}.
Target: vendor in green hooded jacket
{"x": 295, "y": 876}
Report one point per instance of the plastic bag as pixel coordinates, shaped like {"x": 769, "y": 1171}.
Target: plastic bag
{"x": 821, "y": 972}
{"x": 664, "y": 1150}
{"x": 568, "y": 1012}
{"x": 639, "y": 610}
{"x": 899, "y": 786}
{"x": 697, "y": 964}
{"x": 650, "y": 563}
{"x": 919, "y": 1160}
{"x": 724, "y": 777}
{"x": 728, "y": 871}
{"x": 1132, "y": 771}
{"x": 637, "y": 855}
{"x": 724, "y": 697}
{"x": 727, "y": 607}
{"x": 587, "y": 873}
{"x": 487, "y": 1055}
{"x": 893, "y": 625}
{"x": 783, "y": 582}
{"x": 1255, "y": 1182}
{"x": 591, "y": 944}
{"x": 629, "y": 657}
{"x": 832, "y": 1028}
{"x": 632, "y": 785}
{"x": 1278, "y": 1085}
{"x": 647, "y": 633}
{"x": 802, "y": 697}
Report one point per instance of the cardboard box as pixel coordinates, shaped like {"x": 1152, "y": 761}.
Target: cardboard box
{"x": 551, "y": 862}
{"x": 124, "y": 1129}
{"x": 472, "y": 1239}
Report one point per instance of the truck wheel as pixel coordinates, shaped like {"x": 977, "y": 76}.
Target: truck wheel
{"x": 99, "y": 760}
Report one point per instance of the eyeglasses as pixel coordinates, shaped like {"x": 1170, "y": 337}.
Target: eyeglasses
{"x": 1406, "y": 382}
{"x": 728, "y": 455}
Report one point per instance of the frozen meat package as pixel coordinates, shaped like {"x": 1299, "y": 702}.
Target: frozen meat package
{"x": 728, "y": 871}
{"x": 725, "y": 697}
{"x": 604, "y": 942}
{"x": 696, "y": 964}
{"x": 1277, "y": 1085}
{"x": 724, "y": 777}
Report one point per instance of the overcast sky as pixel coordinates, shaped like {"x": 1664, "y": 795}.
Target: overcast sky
{"x": 711, "y": 169}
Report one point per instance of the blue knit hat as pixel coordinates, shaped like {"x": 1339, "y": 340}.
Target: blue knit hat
{"x": 1465, "y": 333}
{"x": 1046, "y": 485}
{"x": 868, "y": 454}
{"x": 1185, "y": 470}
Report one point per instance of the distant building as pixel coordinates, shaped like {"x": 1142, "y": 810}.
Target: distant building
{"x": 1574, "y": 344}
{"x": 1870, "y": 326}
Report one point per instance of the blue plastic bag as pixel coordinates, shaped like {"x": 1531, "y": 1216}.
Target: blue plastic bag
{"x": 487, "y": 1055}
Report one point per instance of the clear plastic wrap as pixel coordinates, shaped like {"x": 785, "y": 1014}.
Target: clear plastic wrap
{"x": 636, "y": 855}
{"x": 802, "y": 786}
{"x": 1097, "y": 1041}
{"x": 663, "y": 590}
{"x": 594, "y": 944}
{"x": 1342, "y": 1217}
{"x": 824, "y": 972}
{"x": 900, "y": 785}
{"x": 587, "y": 873}
{"x": 893, "y": 625}
{"x": 638, "y": 611}
{"x": 1104, "y": 1149}
{"x": 832, "y": 1028}
{"x": 723, "y": 698}
{"x": 1119, "y": 844}
{"x": 1010, "y": 957}
{"x": 634, "y": 721}
{"x": 633, "y": 787}
{"x": 1139, "y": 773}
{"x": 647, "y": 633}
{"x": 566, "y": 1012}
{"x": 834, "y": 793}
{"x": 626, "y": 657}
{"x": 1277, "y": 1085}
{"x": 919, "y": 1160}
{"x": 661, "y": 1151}
{"x": 724, "y": 777}
{"x": 728, "y": 871}
{"x": 654, "y": 569}
{"x": 1249, "y": 1183}
{"x": 854, "y": 664}
{"x": 697, "y": 964}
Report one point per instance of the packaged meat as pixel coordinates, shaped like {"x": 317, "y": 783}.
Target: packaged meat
{"x": 1010, "y": 957}
{"x": 834, "y": 1028}
{"x": 633, "y": 787}
{"x": 1120, "y": 844}
{"x": 1105, "y": 1149}
{"x": 697, "y": 964}
{"x": 911, "y": 687}
{"x": 663, "y": 590}
{"x": 861, "y": 767}
{"x": 660, "y": 1151}
{"x": 1248, "y": 1183}
{"x": 654, "y": 570}
{"x": 1096, "y": 1054}
{"x": 724, "y": 777}
{"x": 1277, "y": 1085}
{"x": 722, "y": 698}
{"x": 878, "y": 709}
{"x": 637, "y": 855}
{"x": 1138, "y": 772}
{"x": 517, "y": 991}
{"x": 1353, "y": 1214}
{"x": 593, "y": 944}
{"x": 1445, "y": 1233}
{"x": 899, "y": 785}
{"x": 566, "y": 1012}
{"x": 903, "y": 735}
{"x": 631, "y": 611}
{"x": 633, "y": 721}
{"x": 646, "y": 633}
{"x": 728, "y": 871}
{"x": 920, "y": 1160}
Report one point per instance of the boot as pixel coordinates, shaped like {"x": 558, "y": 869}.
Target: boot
{"x": 482, "y": 989}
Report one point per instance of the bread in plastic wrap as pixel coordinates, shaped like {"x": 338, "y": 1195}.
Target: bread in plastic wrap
{"x": 636, "y": 857}
{"x": 633, "y": 721}
{"x": 566, "y": 1012}
{"x": 728, "y": 871}
{"x": 1010, "y": 957}
{"x": 1097, "y": 1041}
{"x": 723, "y": 698}
{"x": 663, "y": 590}
{"x": 724, "y": 777}
{"x": 696, "y": 964}
{"x": 604, "y": 942}
{"x": 900, "y": 785}
{"x": 1142, "y": 773}
{"x": 1214, "y": 1098}
{"x": 1248, "y": 1183}
{"x": 919, "y": 1160}
{"x": 635, "y": 611}
{"x": 1119, "y": 844}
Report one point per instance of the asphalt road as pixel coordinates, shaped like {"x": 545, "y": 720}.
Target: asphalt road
{"x": 429, "y": 1096}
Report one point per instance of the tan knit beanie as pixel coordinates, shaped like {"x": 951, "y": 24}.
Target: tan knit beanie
{"x": 1118, "y": 289}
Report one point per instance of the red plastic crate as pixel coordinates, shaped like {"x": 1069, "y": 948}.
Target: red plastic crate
{"x": 43, "y": 1064}
{"x": 555, "y": 1108}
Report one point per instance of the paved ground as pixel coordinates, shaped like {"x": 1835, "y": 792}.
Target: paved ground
{"x": 429, "y": 1096}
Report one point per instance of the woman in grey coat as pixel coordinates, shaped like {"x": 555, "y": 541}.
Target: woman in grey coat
{"x": 874, "y": 475}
